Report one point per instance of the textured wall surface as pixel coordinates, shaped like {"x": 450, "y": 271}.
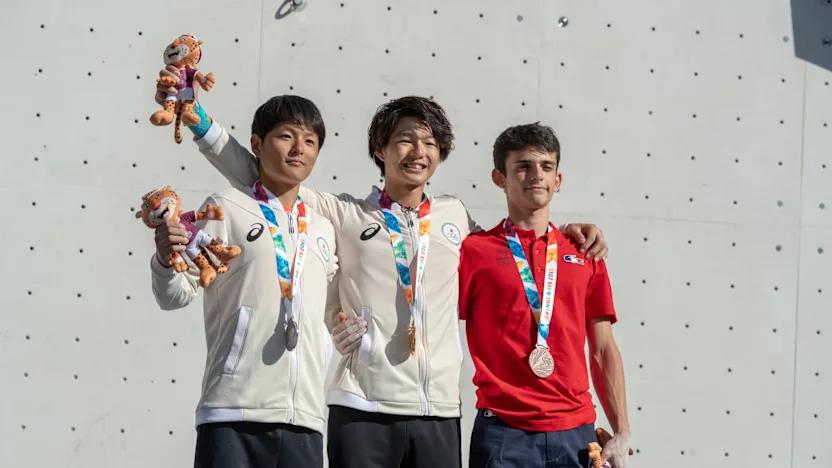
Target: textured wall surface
{"x": 697, "y": 134}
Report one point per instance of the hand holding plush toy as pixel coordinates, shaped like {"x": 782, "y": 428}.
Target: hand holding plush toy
{"x": 183, "y": 54}
{"x": 595, "y": 448}
{"x": 159, "y": 205}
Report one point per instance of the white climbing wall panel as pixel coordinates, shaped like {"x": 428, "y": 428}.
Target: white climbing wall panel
{"x": 696, "y": 134}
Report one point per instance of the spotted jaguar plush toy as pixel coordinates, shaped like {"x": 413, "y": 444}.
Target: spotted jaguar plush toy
{"x": 183, "y": 53}
{"x": 595, "y": 448}
{"x": 159, "y": 205}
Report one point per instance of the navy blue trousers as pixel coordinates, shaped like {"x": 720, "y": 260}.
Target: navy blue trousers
{"x": 497, "y": 445}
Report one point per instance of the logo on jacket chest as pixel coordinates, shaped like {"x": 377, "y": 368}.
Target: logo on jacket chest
{"x": 323, "y": 247}
{"x": 255, "y": 232}
{"x": 370, "y": 232}
{"x": 574, "y": 259}
{"x": 451, "y": 232}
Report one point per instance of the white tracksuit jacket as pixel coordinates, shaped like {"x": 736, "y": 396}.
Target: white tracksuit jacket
{"x": 249, "y": 373}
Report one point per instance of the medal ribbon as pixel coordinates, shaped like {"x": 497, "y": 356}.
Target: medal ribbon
{"x": 289, "y": 280}
{"x": 542, "y": 315}
{"x": 410, "y": 289}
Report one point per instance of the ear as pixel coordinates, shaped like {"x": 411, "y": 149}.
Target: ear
{"x": 498, "y": 178}
{"x": 558, "y": 181}
{"x": 256, "y": 145}
{"x": 378, "y": 155}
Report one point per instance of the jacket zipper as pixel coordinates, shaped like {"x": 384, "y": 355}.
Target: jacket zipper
{"x": 294, "y": 355}
{"x": 419, "y": 320}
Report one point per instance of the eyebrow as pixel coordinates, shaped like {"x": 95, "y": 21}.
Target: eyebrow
{"x": 530, "y": 160}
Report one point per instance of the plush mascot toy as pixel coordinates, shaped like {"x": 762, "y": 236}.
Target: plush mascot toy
{"x": 595, "y": 448}
{"x": 183, "y": 53}
{"x": 159, "y": 205}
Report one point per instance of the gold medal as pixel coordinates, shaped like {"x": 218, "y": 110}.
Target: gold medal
{"x": 411, "y": 334}
{"x": 541, "y": 362}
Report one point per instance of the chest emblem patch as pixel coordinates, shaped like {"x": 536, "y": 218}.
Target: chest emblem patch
{"x": 451, "y": 232}
{"x": 323, "y": 247}
{"x": 574, "y": 259}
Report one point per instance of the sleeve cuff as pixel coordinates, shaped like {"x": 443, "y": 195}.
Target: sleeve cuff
{"x": 161, "y": 272}
{"x": 211, "y": 136}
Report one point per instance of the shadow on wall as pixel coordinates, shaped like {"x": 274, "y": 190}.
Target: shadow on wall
{"x": 812, "y": 31}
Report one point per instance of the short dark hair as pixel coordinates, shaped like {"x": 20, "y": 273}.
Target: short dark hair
{"x": 288, "y": 108}
{"x": 535, "y": 135}
{"x": 388, "y": 115}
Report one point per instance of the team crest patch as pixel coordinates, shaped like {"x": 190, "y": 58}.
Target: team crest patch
{"x": 323, "y": 247}
{"x": 574, "y": 259}
{"x": 451, "y": 232}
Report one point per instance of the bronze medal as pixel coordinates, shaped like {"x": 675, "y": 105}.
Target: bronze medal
{"x": 541, "y": 362}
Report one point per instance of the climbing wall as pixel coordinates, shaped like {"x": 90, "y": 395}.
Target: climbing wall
{"x": 696, "y": 134}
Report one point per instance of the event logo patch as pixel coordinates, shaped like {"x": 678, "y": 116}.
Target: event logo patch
{"x": 323, "y": 247}
{"x": 451, "y": 232}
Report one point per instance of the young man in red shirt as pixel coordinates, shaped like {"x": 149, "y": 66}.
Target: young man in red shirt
{"x": 531, "y": 300}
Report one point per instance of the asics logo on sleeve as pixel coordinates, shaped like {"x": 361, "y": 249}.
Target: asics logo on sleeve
{"x": 256, "y": 231}
{"x": 370, "y": 232}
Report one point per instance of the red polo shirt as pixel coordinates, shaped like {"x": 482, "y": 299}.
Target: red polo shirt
{"x": 502, "y": 332}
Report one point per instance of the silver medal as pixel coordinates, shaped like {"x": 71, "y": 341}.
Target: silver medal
{"x": 291, "y": 334}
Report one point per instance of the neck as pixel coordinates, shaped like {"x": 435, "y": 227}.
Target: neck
{"x": 405, "y": 196}
{"x": 530, "y": 219}
{"x": 287, "y": 194}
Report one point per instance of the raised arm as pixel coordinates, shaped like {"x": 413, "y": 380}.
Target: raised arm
{"x": 234, "y": 161}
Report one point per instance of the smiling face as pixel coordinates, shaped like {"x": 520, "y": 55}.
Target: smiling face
{"x": 531, "y": 178}
{"x": 411, "y": 155}
{"x": 287, "y": 153}
{"x": 159, "y": 205}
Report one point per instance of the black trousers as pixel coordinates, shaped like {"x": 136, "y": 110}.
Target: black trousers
{"x": 357, "y": 439}
{"x": 257, "y": 445}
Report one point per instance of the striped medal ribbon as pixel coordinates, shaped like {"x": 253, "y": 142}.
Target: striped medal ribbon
{"x": 540, "y": 360}
{"x": 410, "y": 289}
{"x": 289, "y": 280}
